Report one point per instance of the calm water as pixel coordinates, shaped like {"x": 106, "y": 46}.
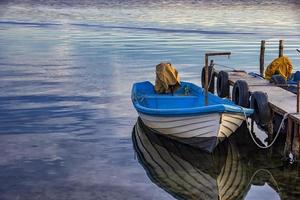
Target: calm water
{"x": 66, "y": 70}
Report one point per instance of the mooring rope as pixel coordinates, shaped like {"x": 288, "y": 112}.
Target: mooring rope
{"x": 225, "y": 66}
{"x": 276, "y": 136}
{"x": 211, "y": 77}
{"x": 137, "y": 97}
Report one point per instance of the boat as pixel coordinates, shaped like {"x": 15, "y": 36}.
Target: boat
{"x": 184, "y": 115}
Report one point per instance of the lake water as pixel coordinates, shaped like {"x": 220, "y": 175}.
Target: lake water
{"x": 66, "y": 70}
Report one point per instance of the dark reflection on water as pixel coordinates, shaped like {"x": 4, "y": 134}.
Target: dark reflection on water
{"x": 230, "y": 172}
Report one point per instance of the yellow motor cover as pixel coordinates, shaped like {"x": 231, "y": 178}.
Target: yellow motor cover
{"x": 167, "y": 78}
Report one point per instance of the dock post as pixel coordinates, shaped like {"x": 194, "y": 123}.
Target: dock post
{"x": 288, "y": 140}
{"x": 262, "y": 58}
{"x": 298, "y": 96}
{"x": 296, "y": 141}
{"x": 280, "y": 48}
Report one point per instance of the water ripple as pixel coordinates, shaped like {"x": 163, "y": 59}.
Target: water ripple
{"x": 166, "y": 30}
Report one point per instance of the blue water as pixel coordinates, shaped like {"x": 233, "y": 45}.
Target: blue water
{"x": 66, "y": 70}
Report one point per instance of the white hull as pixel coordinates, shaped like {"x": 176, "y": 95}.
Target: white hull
{"x": 218, "y": 125}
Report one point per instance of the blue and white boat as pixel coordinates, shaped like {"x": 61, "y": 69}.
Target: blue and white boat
{"x": 184, "y": 115}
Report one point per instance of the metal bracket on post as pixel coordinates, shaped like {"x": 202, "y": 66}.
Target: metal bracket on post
{"x": 206, "y": 70}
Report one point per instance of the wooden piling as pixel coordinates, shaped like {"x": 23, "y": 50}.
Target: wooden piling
{"x": 280, "y": 48}
{"x": 288, "y": 140}
{"x": 262, "y": 57}
{"x": 298, "y": 96}
{"x": 296, "y": 141}
{"x": 296, "y": 138}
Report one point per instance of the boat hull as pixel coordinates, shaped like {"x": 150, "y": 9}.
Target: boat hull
{"x": 197, "y": 129}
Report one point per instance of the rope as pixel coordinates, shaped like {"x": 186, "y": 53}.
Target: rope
{"x": 211, "y": 77}
{"x": 276, "y": 136}
{"x": 225, "y": 66}
{"x": 139, "y": 98}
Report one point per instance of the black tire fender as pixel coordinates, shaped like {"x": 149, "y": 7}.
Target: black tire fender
{"x": 240, "y": 93}
{"x": 262, "y": 112}
{"x": 222, "y": 84}
{"x": 211, "y": 87}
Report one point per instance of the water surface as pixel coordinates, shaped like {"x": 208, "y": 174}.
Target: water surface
{"x": 66, "y": 71}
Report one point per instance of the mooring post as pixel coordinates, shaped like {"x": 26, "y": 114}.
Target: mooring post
{"x": 298, "y": 96}
{"x": 262, "y": 58}
{"x": 296, "y": 141}
{"x": 288, "y": 140}
{"x": 280, "y": 48}
{"x": 296, "y": 130}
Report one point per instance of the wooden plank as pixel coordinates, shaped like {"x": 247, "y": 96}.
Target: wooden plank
{"x": 240, "y": 75}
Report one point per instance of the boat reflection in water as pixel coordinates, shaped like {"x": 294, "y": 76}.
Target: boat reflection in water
{"x": 227, "y": 173}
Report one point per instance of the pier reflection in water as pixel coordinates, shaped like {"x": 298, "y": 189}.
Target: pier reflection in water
{"x": 228, "y": 173}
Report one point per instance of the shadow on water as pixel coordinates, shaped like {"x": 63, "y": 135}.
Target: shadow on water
{"x": 229, "y": 172}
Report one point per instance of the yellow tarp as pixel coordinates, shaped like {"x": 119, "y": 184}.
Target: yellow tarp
{"x": 166, "y": 78}
{"x": 281, "y": 65}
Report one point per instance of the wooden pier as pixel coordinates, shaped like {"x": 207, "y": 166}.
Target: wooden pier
{"x": 281, "y": 101}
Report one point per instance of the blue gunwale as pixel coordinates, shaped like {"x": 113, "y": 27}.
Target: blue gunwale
{"x": 147, "y": 101}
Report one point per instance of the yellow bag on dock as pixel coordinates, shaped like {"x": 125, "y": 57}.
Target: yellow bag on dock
{"x": 282, "y": 66}
{"x": 167, "y": 78}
